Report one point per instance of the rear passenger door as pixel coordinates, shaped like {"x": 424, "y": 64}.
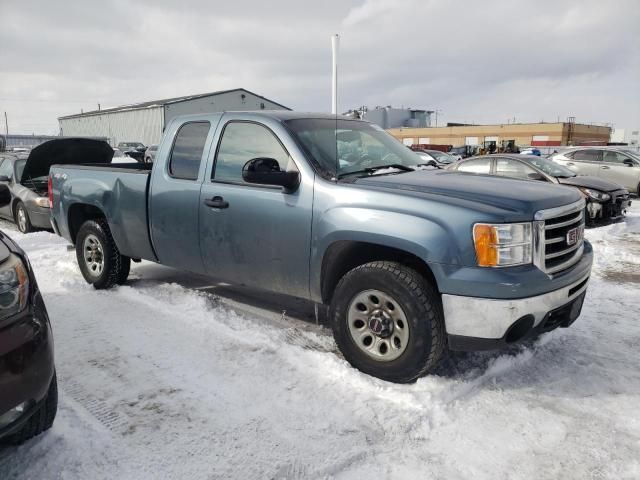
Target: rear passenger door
{"x": 584, "y": 162}
{"x": 175, "y": 196}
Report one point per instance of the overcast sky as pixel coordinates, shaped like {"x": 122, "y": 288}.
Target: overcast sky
{"x": 475, "y": 61}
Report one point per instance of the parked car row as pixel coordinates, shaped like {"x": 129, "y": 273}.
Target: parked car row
{"x": 605, "y": 200}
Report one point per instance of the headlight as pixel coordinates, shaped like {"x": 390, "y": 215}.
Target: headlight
{"x": 14, "y": 287}
{"x": 42, "y": 202}
{"x": 502, "y": 245}
{"x": 595, "y": 194}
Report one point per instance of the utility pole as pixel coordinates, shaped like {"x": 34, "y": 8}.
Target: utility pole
{"x": 335, "y": 39}
{"x": 6, "y": 124}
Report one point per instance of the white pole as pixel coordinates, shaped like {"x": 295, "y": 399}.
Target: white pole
{"x": 334, "y": 80}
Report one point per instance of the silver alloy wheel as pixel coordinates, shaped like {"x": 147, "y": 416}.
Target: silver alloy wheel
{"x": 93, "y": 255}
{"x": 22, "y": 219}
{"x": 378, "y": 325}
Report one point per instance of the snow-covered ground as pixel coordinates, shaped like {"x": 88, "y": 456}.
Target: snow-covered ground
{"x": 172, "y": 377}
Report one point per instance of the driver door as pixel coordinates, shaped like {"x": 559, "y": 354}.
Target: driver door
{"x": 254, "y": 235}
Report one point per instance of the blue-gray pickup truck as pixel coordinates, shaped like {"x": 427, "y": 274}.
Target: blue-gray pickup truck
{"x": 409, "y": 262}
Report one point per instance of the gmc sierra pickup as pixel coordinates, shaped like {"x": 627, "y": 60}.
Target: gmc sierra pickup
{"x": 409, "y": 262}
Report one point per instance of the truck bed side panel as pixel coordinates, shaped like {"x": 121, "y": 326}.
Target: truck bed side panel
{"x": 119, "y": 193}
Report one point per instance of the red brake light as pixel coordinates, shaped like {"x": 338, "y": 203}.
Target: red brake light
{"x": 50, "y": 191}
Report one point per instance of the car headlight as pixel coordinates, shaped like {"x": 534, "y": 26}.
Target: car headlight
{"x": 14, "y": 286}
{"x": 502, "y": 245}
{"x": 43, "y": 202}
{"x": 595, "y": 194}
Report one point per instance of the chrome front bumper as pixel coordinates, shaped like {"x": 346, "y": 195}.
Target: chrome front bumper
{"x": 486, "y": 318}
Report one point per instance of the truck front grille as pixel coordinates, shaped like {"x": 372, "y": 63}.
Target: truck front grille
{"x": 559, "y": 237}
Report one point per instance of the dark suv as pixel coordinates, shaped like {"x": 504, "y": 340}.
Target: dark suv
{"x": 28, "y": 388}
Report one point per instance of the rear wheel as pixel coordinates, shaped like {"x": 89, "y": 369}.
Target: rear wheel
{"x": 98, "y": 256}
{"x": 387, "y": 321}
{"x": 22, "y": 218}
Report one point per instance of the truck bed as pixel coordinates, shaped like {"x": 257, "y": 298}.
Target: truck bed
{"x": 119, "y": 191}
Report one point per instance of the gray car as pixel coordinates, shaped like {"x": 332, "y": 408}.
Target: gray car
{"x": 27, "y": 177}
{"x": 615, "y": 164}
{"x": 29, "y": 206}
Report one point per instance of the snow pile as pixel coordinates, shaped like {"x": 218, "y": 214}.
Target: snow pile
{"x": 159, "y": 380}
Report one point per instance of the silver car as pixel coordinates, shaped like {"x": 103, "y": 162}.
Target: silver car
{"x": 614, "y": 164}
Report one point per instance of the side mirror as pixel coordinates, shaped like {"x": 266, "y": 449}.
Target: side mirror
{"x": 266, "y": 171}
{"x": 4, "y": 178}
{"x": 628, "y": 162}
{"x": 5, "y": 195}
{"x": 536, "y": 176}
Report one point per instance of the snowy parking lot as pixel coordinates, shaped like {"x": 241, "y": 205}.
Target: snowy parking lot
{"x": 174, "y": 377}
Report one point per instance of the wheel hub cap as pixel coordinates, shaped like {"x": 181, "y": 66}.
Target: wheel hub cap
{"x": 378, "y": 325}
{"x": 93, "y": 255}
{"x": 381, "y": 323}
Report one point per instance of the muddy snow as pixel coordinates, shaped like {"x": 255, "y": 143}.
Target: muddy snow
{"x": 173, "y": 376}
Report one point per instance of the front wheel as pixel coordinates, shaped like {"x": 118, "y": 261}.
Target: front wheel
{"x": 98, "y": 256}
{"x": 387, "y": 321}
{"x": 22, "y": 219}
{"x": 42, "y": 419}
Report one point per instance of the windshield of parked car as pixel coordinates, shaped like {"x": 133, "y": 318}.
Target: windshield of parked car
{"x": 20, "y": 168}
{"x": 350, "y": 147}
{"x": 551, "y": 168}
{"x": 441, "y": 156}
{"x": 633, "y": 154}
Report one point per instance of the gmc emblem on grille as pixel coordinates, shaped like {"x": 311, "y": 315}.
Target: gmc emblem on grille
{"x": 574, "y": 235}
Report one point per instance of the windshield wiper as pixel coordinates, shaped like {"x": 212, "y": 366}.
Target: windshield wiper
{"x": 397, "y": 166}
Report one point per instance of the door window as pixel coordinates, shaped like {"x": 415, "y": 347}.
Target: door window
{"x": 587, "y": 155}
{"x": 186, "y": 154}
{"x": 476, "y": 166}
{"x": 507, "y": 167}
{"x": 6, "y": 168}
{"x": 614, "y": 157}
{"x": 244, "y": 141}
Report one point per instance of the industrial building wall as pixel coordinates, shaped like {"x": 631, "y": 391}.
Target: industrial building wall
{"x": 142, "y": 125}
{"x": 523, "y": 134}
{"x": 219, "y": 103}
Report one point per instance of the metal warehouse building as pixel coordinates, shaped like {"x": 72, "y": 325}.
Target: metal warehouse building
{"x": 145, "y": 122}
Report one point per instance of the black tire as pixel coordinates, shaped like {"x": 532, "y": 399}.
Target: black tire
{"x": 24, "y": 227}
{"x": 42, "y": 419}
{"x": 422, "y": 307}
{"x": 125, "y": 268}
{"x": 115, "y": 266}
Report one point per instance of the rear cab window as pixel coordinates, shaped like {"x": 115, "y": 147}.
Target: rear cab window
{"x": 187, "y": 150}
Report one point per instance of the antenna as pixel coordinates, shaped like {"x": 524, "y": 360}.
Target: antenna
{"x": 335, "y": 40}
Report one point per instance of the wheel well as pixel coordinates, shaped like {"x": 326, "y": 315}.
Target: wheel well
{"x": 343, "y": 256}
{"x": 80, "y": 213}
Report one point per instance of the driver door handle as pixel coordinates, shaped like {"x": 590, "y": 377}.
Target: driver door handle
{"x": 570, "y": 164}
{"x": 604, "y": 167}
{"x": 216, "y": 202}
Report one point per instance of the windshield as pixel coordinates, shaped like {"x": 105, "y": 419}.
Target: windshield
{"x": 340, "y": 147}
{"x": 551, "y": 168}
{"x": 634, "y": 154}
{"x": 20, "y": 168}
